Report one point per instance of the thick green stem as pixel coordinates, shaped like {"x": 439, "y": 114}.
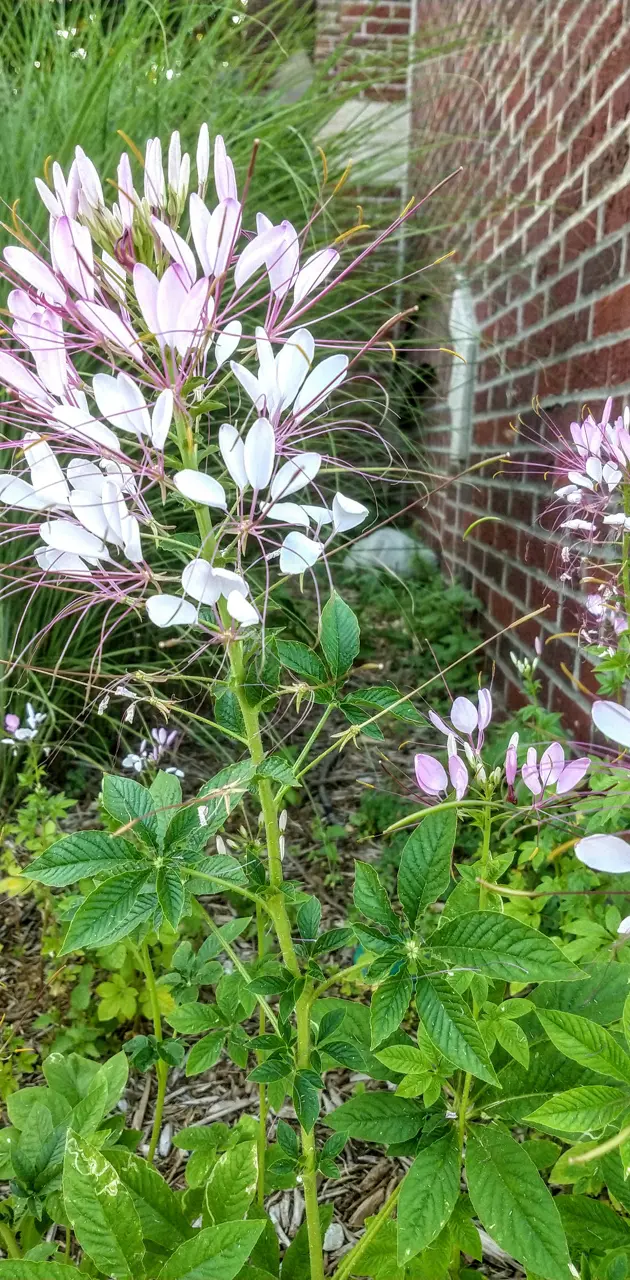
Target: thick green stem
{"x": 262, "y": 1088}
{"x": 463, "y": 1110}
{"x": 161, "y": 1069}
{"x": 309, "y": 1147}
{"x": 349, "y": 1263}
{"x": 9, "y": 1242}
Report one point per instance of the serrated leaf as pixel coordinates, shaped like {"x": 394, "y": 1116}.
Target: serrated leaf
{"x": 205, "y": 1053}
{"x": 389, "y": 1006}
{"x": 192, "y": 1018}
{"x": 308, "y": 919}
{"x": 425, "y": 863}
{"x": 370, "y": 897}
{"x": 581, "y": 1110}
{"x": 377, "y": 1117}
{"x": 216, "y": 1253}
{"x": 24, "y": 1269}
{"x": 195, "y": 824}
{"x": 297, "y": 657}
{"x": 101, "y": 1211}
{"x": 451, "y": 1027}
{"x": 591, "y": 1224}
{"x": 404, "y": 1059}
{"x": 232, "y": 1183}
{"x": 83, "y": 854}
{"x": 170, "y": 892}
{"x": 429, "y": 1194}
{"x": 158, "y": 1209}
{"x": 105, "y": 911}
{"x": 228, "y": 714}
{"x": 513, "y": 1203}
{"x": 512, "y": 1038}
{"x": 384, "y": 697}
{"x": 166, "y": 795}
{"x": 586, "y": 1042}
{"x": 305, "y": 1099}
{"x": 501, "y": 947}
{"x": 339, "y": 636}
{"x": 130, "y": 803}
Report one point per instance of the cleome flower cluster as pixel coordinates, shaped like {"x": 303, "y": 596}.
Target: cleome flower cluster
{"x": 179, "y": 304}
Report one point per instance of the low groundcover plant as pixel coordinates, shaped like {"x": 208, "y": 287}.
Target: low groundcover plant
{"x": 478, "y": 1024}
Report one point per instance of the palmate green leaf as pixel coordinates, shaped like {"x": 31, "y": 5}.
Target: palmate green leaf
{"x": 404, "y": 1059}
{"x": 101, "y": 1211}
{"x": 158, "y": 1209}
{"x": 105, "y": 911}
{"x": 425, "y": 864}
{"x": 217, "y": 1253}
{"x": 599, "y": 996}
{"x": 513, "y": 1203}
{"x": 389, "y": 1006}
{"x": 449, "y": 1023}
{"x": 512, "y": 1038}
{"x": 129, "y": 802}
{"x": 192, "y": 1018}
{"x": 195, "y": 824}
{"x": 338, "y": 635}
{"x": 166, "y": 795}
{"x": 205, "y": 1053}
{"x": 370, "y": 897}
{"x": 501, "y": 947}
{"x": 587, "y": 1043}
{"x": 580, "y": 1110}
{"x": 232, "y": 1183}
{"x": 429, "y": 1194}
{"x": 591, "y": 1224}
{"x": 83, "y": 854}
{"x": 170, "y": 892}
{"x": 378, "y": 1117}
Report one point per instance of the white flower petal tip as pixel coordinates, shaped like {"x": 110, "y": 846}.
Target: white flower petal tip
{"x": 200, "y": 581}
{"x": 347, "y": 513}
{"x": 604, "y": 853}
{"x": 612, "y": 720}
{"x": 232, "y": 450}
{"x": 62, "y": 535}
{"x": 259, "y": 453}
{"x": 464, "y": 715}
{"x": 295, "y": 474}
{"x": 199, "y": 488}
{"x": 171, "y": 611}
{"x": 299, "y": 553}
{"x": 241, "y": 610}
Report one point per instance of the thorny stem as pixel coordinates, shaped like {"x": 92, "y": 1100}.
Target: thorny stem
{"x": 348, "y": 1264}
{"x": 161, "y": 1069}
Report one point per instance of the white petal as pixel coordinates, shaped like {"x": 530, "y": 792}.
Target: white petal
{"x": 18, "y": 376}
{"x": 161, "y": 418}
{"x": 60, "y": 561}
{"x": 46, "y": 474}
{"x": 36, "y": 272}
{"x": 200, "y": 225}
{"x": 613, "y": 721}
{"x": 293, "y": 363}
{"x": 200, "y": 488}
{"x": 232, "y": 450}
{"x": 84, "y": 474}
{"x": 288, "y": 513}
{"x": 171, "y": 296}
{"x": 259, "y": 453}
{"x": 249, "y": 383}
{"x": 464, "y": 715}
{"x": 146, "y": 287}
{"x": 112, "y": 328}
{"x": 194, "y": 317}
{"x": 327, "y": 375}
{"x": 15, "y": 492}
{"x": 241, "y": 610}
{"x": 80, "y": 424}
{"x": 604, "y": 853}
{"x": 255, "y": 254}
{"x": 320, "y": 515}
{"x": 314, "y": 271}
{"x": 295, "y": 474}
{"x": 230, "y": 581}
{"x": 88, "y": 509}
{"x": 62, "y": 535}
{"x": 121, "y": 401}
{"x": 624, "y": 926}
{"x": 177, "y": 248}
{"x": 593, "y": 468}
{"x": 299, "y": 553}
{"x": 200, "y": 581}
{"x": 227, "y": 342}
{"x": 347, "y": 513}
{"x": 132, "y": 546}
{"x": 203, "y": 155}
{"x": 170, "y": 611}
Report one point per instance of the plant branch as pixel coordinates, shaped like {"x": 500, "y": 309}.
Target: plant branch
{"x": 161, "y": 1069}
{"x": 348, "y": 1264}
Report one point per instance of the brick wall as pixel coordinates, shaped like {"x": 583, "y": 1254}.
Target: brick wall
{"x": 534, "y": 103}
{"x": 375, "y": 35}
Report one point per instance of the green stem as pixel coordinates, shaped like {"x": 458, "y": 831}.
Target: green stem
{"x": 305, "y": 751}
{"x": 309, "y": 1147}
{"x": 262, "y": 1088}
{"x": 485, "y": 857}
{"x": 463, "y": 1110}
{"x": 227, "y": 885}
{"x": 161, "y": 1069}
{"x": 419, "y": 814}
{"x": 340, "y": 975}
{"x": 238, "y": 964}
{"x": 348, "y": 1264}
{"x": 625, "y": 554}
{"x": 9, "y": 1241}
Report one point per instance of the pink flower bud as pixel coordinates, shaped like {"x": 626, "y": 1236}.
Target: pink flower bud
{"x": 458, "y": 774}
{"x": 430, "y": 774}
{"x": 11, "y": 723}
{"x": 511, "y": 761}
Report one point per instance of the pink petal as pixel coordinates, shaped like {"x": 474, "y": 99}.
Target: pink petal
{"x": 200, "y": 226}
{"x": 464, "y": 715}
{"x": 283, "y": 261}
{"x": 146, "y": 289}
{"x": 314, "y": 271}
{"x": 177, "y": 248}
{"x": 321, "y": 382}
{"x": 572, "y": 775}
{"x": 224, "y": 179}
{"x": 484, "y": 699}
{"x": 551, "y": 764}
{"x": 531, "y": 778}
{"x": 431, "y": 776}
{"x": 36, "y": 272}
{"x": 111, "y": 327}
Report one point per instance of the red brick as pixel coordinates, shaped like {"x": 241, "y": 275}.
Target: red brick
{"x": 588, "y": 370}
{"x": 575, "y": 111}
{"x": 602, "y": 268}
{"x": 564, "y": 291}
{"x": 608, "y": 166}
{"x": 538, "y": 231}
{"x": 515, "y": 94}
{"x": 553, "y": 379}
{"x": 620, "y": 102}
{"x": 619, "y": 364}
{"x": 570, "y": 331}
{"x": 612, "y": 313}
{"x": 612, "y": 68}
{"x": 548, "y": 264}
{"x": 534, "y": 310}
{"x": 617, "y": 214}
{"x": 590, "y": 135}
{"x": 376, "y": 28}
{"x": 580, "y": 238}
